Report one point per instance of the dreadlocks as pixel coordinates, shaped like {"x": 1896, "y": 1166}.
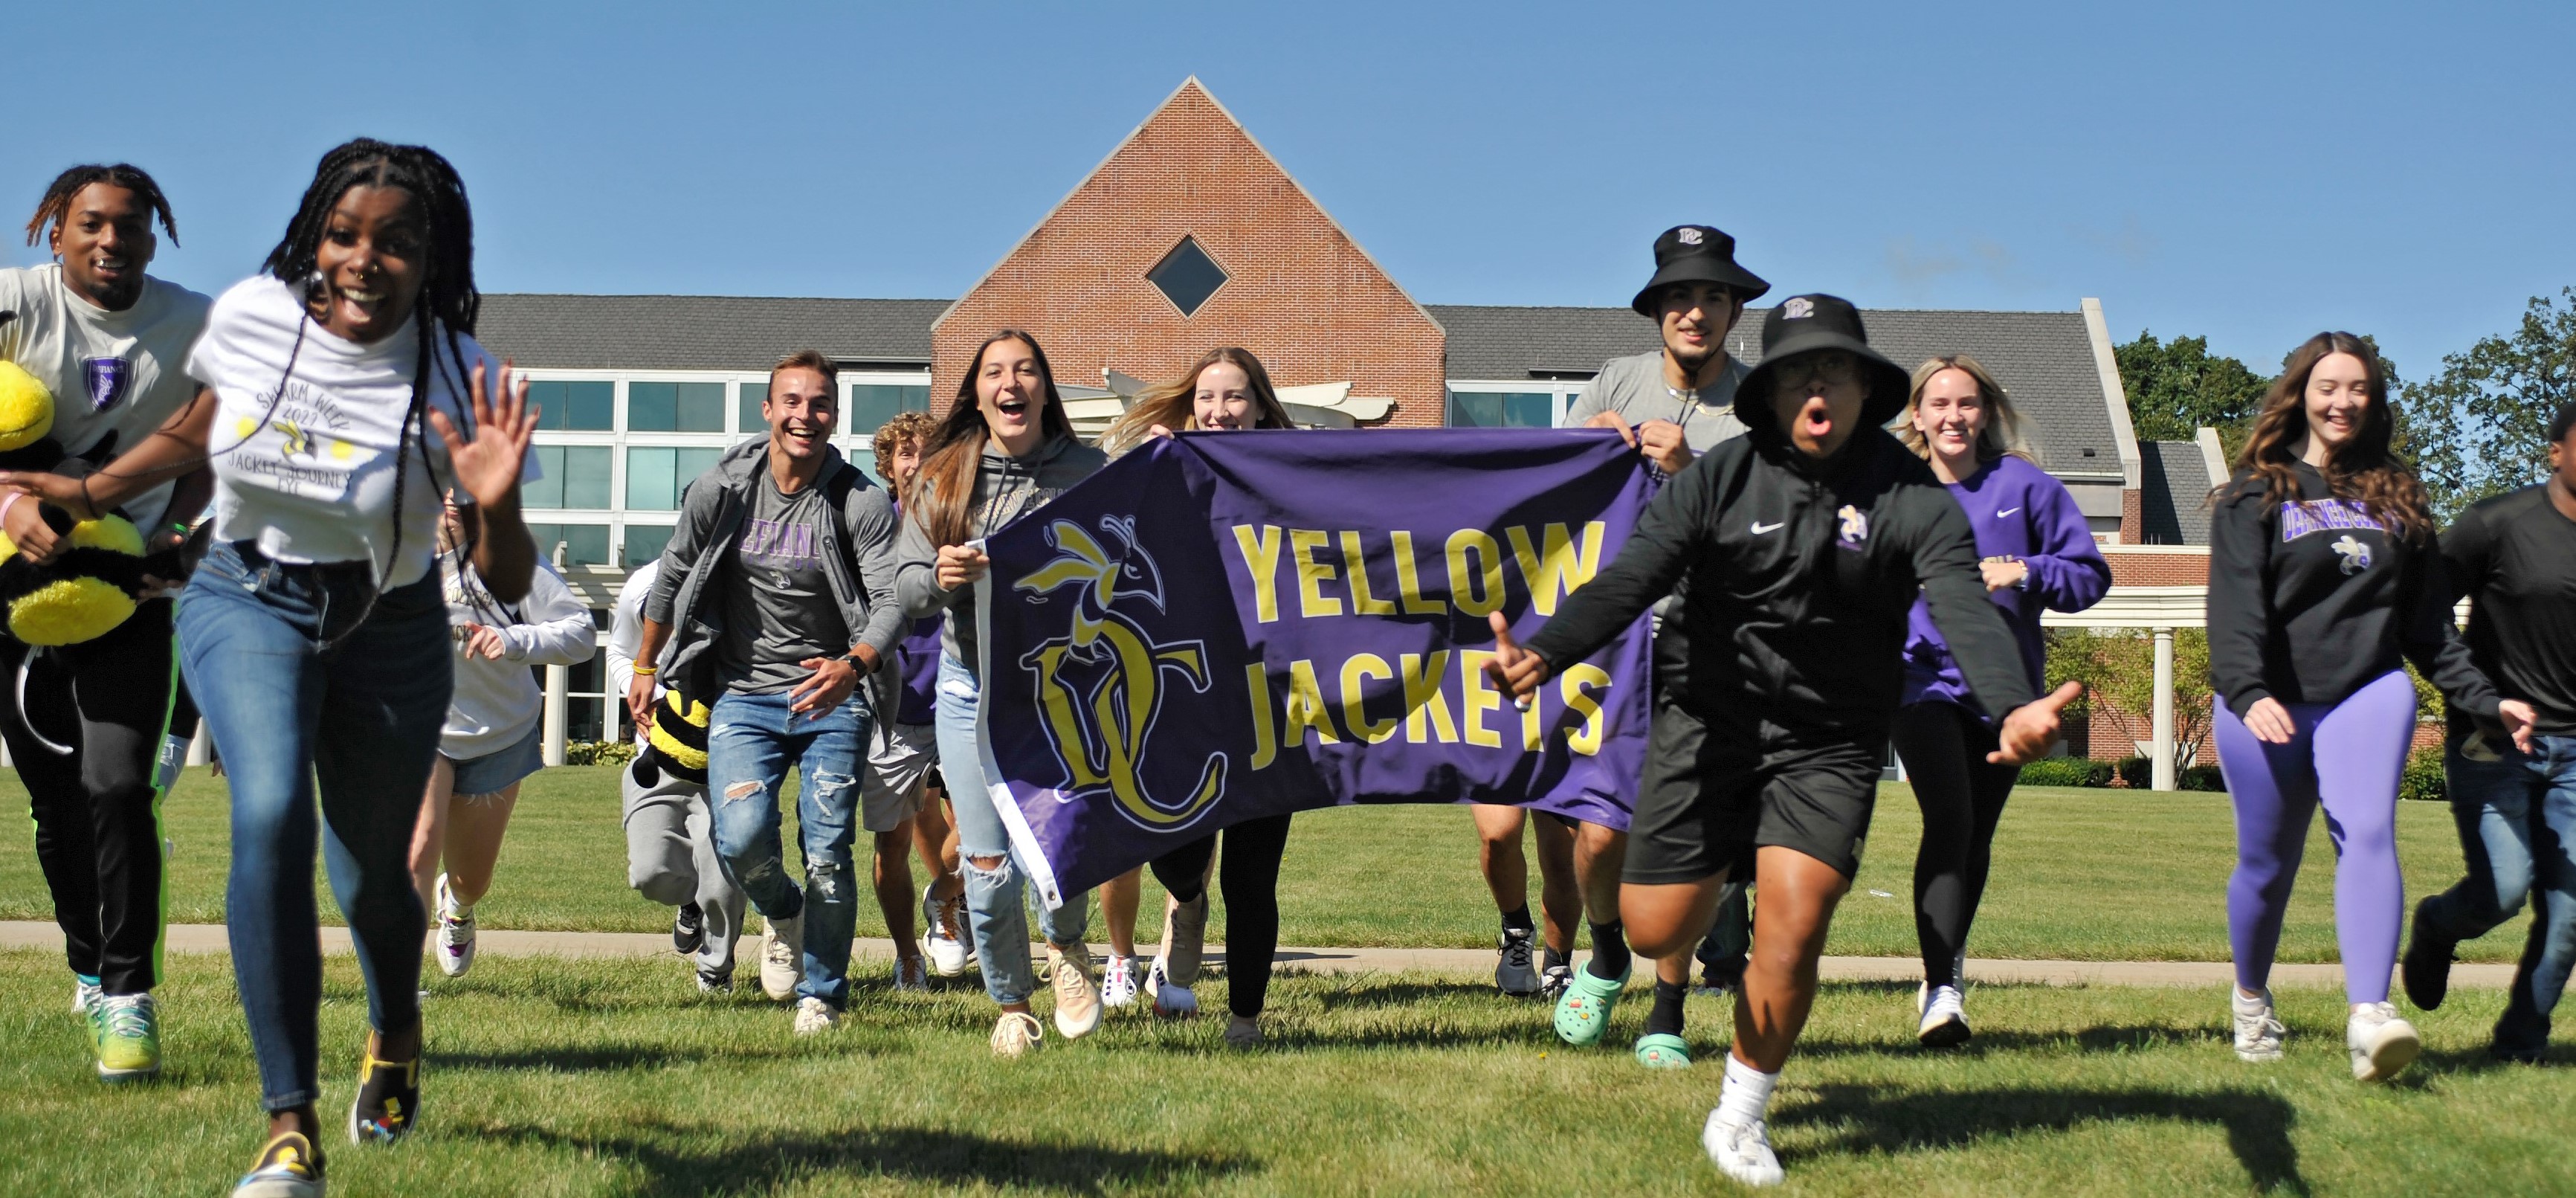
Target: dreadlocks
{"x": 448, "y": 302}
{"x": 57, "y": 203}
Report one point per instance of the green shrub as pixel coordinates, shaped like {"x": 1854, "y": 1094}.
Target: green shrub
{"x": 2202, "y": 777}
{"x": 2137, "y": 772}
{"x": 2423, "y": 776}
{"x": 599, "y": 752}
{"x": 2066, "y": 771}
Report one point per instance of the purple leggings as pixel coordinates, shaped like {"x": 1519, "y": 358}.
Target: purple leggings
{"x": 2349, "y": 754}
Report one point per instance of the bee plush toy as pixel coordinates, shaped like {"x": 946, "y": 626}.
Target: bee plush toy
{"x": 677, "y": 746}
{"x": 85, "y": 590}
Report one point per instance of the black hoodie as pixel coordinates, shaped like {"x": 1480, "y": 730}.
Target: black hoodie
{"x": 1800, "y": 575}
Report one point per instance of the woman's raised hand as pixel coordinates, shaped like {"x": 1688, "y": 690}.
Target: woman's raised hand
{"x": 488, "y": 466}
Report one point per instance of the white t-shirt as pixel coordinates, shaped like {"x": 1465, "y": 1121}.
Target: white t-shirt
{"x": 498, "y": 701}
{"x": 115, "y": 373}
{"x": 309, "y": 475}
{"x": 626, "y": 633}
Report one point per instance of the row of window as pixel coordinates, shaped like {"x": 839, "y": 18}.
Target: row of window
{"x": 588, "y": 544}
{"x": 590, "y": 406}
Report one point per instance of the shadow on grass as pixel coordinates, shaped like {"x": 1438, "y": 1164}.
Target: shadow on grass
{"x": 603, "y": 1058}
{"x": 681, "y": 1160}
{"x": 1868, "y": 1119}
{"x": 1368, "y": 994}
{"x": 2100, "y": 1038}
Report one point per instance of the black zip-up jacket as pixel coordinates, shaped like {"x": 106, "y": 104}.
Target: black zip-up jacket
{"x": 2311, "y": 600}
{"x": 1800, "y": 575}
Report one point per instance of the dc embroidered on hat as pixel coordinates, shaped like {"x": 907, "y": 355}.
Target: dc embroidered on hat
{"x": 1688, "y": 254}
{"x": 1799, "y": 307}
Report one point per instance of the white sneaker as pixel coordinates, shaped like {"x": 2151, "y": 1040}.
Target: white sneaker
{"x": 1118, "y": 982}
{"x": 1741, "y": 1151}
{"x": 1170, "y": 1001}
{"x": 945, "y": 941}
{"x": 1184, "y": 938}
{"x": 1017, "y": 1035}
{"x": 85, "y": 994}
{"x": 2382, "y": 1044}
{"x": 1944, "y": 1013}
{"x": 2258, "y": 1030}
{"x": 1077, "y": 1003}
{"x": 910, "y": 974}
{"x": 782, "y": 957}
{"x": 813, "y": 1015}
{"x": 455, "y": 933}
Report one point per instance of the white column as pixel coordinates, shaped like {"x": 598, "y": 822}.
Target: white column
{"x": 201, "y": 747}
{"x": 2161, "y": 773}
{"x": 558, "y": 681}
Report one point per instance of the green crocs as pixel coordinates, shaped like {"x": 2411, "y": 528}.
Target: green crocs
{"x": 1583, "y": 1011}
{"x": 1663, "y": 1050}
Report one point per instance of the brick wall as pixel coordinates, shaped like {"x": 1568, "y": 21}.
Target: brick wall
{"x": 1300, "y": 294}
{"x": 2133, "y": 516}
{"x": 2157, "y": 565}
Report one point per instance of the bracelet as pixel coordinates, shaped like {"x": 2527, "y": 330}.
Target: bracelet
{"x": 86, "y": 501}
{"x": 644, "y": 671}
{"x": 10, "y": 502}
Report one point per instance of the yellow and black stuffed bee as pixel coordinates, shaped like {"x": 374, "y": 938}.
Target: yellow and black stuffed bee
{"x": 86, "y": 590}
{"x": 677, "y": 744}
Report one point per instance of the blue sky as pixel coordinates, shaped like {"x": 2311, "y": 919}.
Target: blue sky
{"x": 2253, "y": 172}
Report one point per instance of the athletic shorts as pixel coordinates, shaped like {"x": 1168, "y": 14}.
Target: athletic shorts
{"x": 901, "y": 758}
{"x": 493, "y": 773}
{"x": 1706, "y": 802}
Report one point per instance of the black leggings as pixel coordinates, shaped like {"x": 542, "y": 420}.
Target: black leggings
{"x": 1249, "y": 876}
{"x": 1962, "y": 797}
{"x": 98, "y": 806}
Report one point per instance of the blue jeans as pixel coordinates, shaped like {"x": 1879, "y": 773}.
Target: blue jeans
{"x": 751, "y": 739}
{"x": 2517, "y": 817}
{"x": 363, "y": 716}
{"x": 996, "y": 899}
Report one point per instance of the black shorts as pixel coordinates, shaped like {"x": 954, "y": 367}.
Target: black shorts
{"x": 1707, "y": 801}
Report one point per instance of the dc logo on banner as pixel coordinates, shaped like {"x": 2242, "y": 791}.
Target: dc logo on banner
{"x": 108, "y": 380}
{"x": 1101, "y": 684}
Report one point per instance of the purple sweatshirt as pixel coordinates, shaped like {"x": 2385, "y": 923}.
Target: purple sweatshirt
{"x": 2017, "y": 511}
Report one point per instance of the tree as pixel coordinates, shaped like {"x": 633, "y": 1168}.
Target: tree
{"x": 2480, "y": 427}
{"x": 2176, "y": 386}
{"x": 2118, "y": 668}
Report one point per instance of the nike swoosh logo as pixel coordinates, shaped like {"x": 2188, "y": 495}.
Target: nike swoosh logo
{"x": 1759, "y": 527}
{"x": 2006, "y": 512}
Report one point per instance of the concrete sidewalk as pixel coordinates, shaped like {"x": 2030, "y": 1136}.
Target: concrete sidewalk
{"x": 209, "y": 938}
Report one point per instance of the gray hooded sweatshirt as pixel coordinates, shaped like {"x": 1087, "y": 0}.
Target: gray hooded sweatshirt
{"x": 1006, "y": 488}
{"x": 701, "y": 554}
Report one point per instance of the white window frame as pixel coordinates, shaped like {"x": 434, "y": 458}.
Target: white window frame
{"x": 1562, "y": 393}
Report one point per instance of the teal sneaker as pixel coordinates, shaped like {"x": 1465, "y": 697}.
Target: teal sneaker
{"x": 1583, "y": 1011}
{"x": 125, "y": 1029}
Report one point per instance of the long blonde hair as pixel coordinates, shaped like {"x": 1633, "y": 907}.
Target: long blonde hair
{"x": 2006, "y": 432}
{"x": 1172, "y": 404}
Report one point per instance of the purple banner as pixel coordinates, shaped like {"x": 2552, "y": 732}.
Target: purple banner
{"x": 1226, "y": 626}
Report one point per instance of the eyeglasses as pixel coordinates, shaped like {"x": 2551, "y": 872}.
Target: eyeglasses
{"x": 1830, "y": 367}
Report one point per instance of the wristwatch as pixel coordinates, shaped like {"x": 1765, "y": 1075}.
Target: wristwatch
{"x": 856, "y": 662}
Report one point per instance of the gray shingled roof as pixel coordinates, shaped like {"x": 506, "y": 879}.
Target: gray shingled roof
{"x": 702, "y": 332}
{"x": 2044, "y": 359}
{"x": 2173, "y": 498}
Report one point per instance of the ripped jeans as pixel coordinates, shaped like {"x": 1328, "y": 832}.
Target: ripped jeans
{"x": 995, "y": 898}
{"x": 750, "y": 741}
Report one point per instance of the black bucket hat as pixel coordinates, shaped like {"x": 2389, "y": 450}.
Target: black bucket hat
{"x": 1697, "y": 254}
{"x": 1803, "y": 323}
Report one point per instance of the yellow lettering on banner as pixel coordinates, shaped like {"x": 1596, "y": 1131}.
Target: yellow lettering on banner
{"x": 1586, "y": 739}
{"x": 1553, "y": 568}
{"x": 1533, "y": 735}
{"x": 1312, "y": 602}
{"x": 1465, "y": 577}
{"x": 1408, "y": 579}
{"x": 1261, "y": 561}
{"x": 1306, "y": 707}
{"x": 1265, "y": 745}
{"x": 1355, "y": 692}
{"x": 1356, "y": 566}
{"x": 1480, "y": 698}
{"x": 1426, "y": 709}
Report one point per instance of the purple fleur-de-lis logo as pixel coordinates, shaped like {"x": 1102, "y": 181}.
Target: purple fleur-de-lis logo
{"x": 108, "y": 380}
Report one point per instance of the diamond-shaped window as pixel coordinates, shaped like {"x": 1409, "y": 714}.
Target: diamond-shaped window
{"x": 1187, "y": 276}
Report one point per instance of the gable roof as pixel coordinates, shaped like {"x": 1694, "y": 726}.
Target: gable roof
{"x": 2173, "y": 506}
{"x": 2045, "y": 360}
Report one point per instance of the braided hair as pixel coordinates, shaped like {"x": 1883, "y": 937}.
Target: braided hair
{"x": 448, "y": 303}
{"x": 57, "y": 203}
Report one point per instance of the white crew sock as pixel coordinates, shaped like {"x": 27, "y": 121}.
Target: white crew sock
{"x": 1747, "y": 1094}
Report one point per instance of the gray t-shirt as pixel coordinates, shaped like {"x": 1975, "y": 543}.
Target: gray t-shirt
{"x": 1634, "y": 388}
{"x": 778, "y": 607}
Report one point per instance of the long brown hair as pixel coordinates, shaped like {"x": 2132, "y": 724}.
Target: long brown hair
{"x": 2362, "y": 468}
{"x": 1173, "y": 405}
{"x": 944, "y": 491}
{"x": 2006, "y": 431}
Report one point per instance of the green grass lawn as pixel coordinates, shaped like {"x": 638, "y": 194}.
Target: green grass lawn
{"x": 2084, "y": 874}
{"x": 615, "y": 1078}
